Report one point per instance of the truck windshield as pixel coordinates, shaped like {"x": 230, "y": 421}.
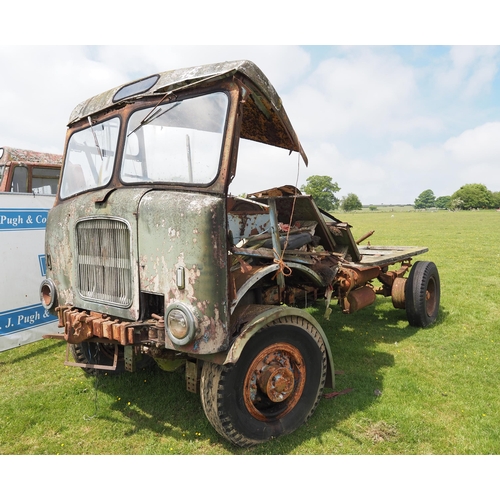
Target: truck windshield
{"x": 90, "y": 157}
{"x": 178, "y": 142}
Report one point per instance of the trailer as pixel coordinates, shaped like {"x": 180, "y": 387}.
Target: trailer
{"x": 28, "y": 185}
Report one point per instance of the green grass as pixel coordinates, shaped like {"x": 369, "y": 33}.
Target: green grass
{"x": 437, "y": 387}
{"x": 384, "y": 208}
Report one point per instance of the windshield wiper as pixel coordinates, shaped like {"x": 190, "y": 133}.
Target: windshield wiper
{"x": 95, "y": 139}
{"x": 153, "y": 115}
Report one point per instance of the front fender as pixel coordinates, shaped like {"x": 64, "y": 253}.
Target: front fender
{"x": 257, "y": 317}
{"x": 271, "y": 270}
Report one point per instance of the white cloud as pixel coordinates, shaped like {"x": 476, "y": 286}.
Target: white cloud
{"x": 478, "y": 145}
{"x": 41, "y": 87}
{"x": 365, "y": 91}
{"x": 261, "y": 167}
{"x": 468, "y": 70}
{"x": 476, "y": 153}
{"x": 143, "y": 60}
{"x": 408, "y": 159}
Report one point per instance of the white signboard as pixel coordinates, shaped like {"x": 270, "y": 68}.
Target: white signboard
{"x": 23, "y": 319}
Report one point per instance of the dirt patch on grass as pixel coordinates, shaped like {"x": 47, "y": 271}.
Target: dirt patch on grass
{"x": 381, "y": 431}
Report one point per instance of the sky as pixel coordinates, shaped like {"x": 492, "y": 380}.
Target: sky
{"x": 384, "y": 120}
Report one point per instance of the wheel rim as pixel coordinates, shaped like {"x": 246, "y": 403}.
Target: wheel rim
{"x": 274, "y": 382}
{"x": 430, "y": 297}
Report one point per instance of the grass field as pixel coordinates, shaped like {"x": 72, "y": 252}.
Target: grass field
{"x": 388, "y": 208}
{"x": 414, "y": 391}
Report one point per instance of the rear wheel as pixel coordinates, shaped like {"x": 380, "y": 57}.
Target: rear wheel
{"x": 422, "y": 294}
{"x": 272, "y": 389}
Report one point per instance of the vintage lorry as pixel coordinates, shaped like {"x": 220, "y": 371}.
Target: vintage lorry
{"x": 149, "y": 257}
{"x": 25, "y": 171}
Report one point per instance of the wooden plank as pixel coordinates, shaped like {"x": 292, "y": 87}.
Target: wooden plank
{"x": 379, "y": 256}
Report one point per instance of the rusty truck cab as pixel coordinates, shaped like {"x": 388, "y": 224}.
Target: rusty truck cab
{"x": 137, "y": 248}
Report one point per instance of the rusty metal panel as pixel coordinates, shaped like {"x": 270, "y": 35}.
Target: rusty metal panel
{"x": 265, "y": 119}
{"x": 187, "y": 231}
{"x": 243, "y": 226}
{"x": 62, "y": 246}
{"x": 27, "y": 157}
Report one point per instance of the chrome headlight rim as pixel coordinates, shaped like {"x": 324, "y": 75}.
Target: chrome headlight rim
{"x": 48, "y": 293}
{"x": 191, "y": 323}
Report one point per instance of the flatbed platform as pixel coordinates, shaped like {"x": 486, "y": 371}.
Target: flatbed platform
{"x": 380, "y": 256}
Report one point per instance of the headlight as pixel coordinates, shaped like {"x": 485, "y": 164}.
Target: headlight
{"x": 47, "y": 293}
{"x": 180, "y": 323}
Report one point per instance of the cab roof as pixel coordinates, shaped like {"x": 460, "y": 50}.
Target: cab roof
{"x": 264, "y": 117}
{"x": 26, "y": 156}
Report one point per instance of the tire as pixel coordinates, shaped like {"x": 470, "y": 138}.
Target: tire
{"x": 103, "y": 354}
{"x": 422, "y": 294}
{"x": 272, "y": 389}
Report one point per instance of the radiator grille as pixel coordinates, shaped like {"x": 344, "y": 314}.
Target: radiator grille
{"x": 103, "y": 260}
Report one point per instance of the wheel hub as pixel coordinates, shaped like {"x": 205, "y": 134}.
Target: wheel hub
{"x": 274, "y": 381}
{"x": 430, "y": 298}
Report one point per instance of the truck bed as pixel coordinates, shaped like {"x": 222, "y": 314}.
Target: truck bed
{"x": 381, "y": 256}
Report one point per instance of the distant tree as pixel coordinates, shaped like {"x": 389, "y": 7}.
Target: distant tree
{"x": 474, "y": 196}
{"x": 456, "y": 204}
{"x": 373, "y": 208}
{"x": 323, "y": 190}
{"x": 426, "y": 199}
{"x": 350, "y": 202}
{"x": 496, "y": 199}
{"x": 443, "y": 202}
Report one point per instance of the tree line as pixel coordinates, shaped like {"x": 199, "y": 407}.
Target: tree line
{"x": 468, "y": 197}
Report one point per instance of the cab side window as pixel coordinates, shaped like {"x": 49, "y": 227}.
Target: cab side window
{"x": 45, "y": 180}
{"x": 20, "y": 180}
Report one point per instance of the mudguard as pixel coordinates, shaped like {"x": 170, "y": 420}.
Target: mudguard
{"x": 257, "y": 317}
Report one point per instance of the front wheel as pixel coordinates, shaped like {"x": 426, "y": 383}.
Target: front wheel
{"x": 422, "y": 294}
{"x": 272, "y": 389}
